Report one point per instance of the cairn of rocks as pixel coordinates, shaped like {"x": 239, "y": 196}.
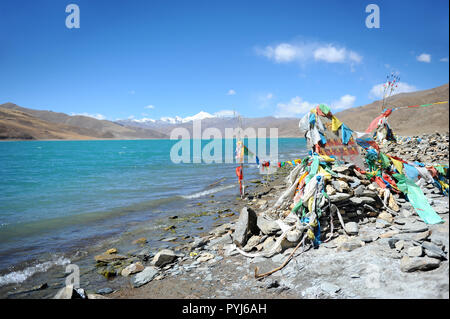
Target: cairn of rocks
{"x": 425, "y": 148}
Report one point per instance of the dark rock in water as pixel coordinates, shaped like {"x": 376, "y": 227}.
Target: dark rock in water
{"x": 245, "y": 226}
{"x": 105, "y": 291}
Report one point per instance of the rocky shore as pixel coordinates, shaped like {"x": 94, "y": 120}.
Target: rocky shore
{"x": 375, "y": 247}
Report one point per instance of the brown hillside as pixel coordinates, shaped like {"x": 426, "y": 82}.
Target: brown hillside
{"x": 409, "y": 121}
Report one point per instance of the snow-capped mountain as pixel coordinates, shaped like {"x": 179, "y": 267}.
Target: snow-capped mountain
{"x": 177, "y": 119}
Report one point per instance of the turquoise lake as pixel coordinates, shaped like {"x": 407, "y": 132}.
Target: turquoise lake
{"x": 56, "y": 196}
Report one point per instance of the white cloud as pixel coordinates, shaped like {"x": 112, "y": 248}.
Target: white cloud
{"x": 304, "y": 52}
{"x": 377, "y": 90}
{"x": 424, "y": 57}
{"x": 151, "y": 107}
{"x": 231, "y": 92}
{"x": 444, "y": 59}
{"x": 269, "y": 96}
{"x": 224, "y": 113}
{"x": 345, "y": 102}
{"x": 95, "y": 116}
{"x": 294, "y": 107}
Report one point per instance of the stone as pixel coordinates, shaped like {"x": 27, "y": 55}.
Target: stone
{"x": 339, "y": 197}
{"x": 268, "y": 243}
{"x": 352, "y": 228}
{"x": 199, "y": 242}
{"x": 386, "y": 216}
{"x": 434, "y": 251}
{"x": 145, "y": 276}
{"x": 132, "y": 269}
{"x": 205, "y": 257}
{"x": 96, "y": 296}
{"x": 330, "y": 190}
{"x": 329, "y": 287}
{"x": 267, "y": 227}
{"x": 408, "y": 264}
{"x": 105, "y": 291}
{"x": 111, "y": 251}
{"x": 381, "y": 223}
{"x": 222, "y": 229}
{"x": 294, "y": 235}
{"x": 362, "y": 200}
{"x": 163, "y": 257}
{"x": 221, "y": 241}
{"x": 389, "y": 234}
{"x": 169, "y": 239}
{"x": 278, "y": 258}
{"x": 340, "y": 186}
{"x": 414, "y": 228}
{"x": 251, "y": 243}
{"x": 140, "y": 241}
{"x": 245, "y": 226}
{"x": 400, "y": 245}
{"x": 106, "y": 258}
{"x": 392, "y": 204}
{"x": 350, "y": 245}
{"x": 415, "y": 251}
{"x": 359, "y": 190}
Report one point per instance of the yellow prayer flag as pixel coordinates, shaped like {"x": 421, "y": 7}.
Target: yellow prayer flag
{"x": 398, "y": 165}
{"x": 335, "y": 124}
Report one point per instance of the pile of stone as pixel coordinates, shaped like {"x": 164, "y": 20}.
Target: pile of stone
{"x": 425, "y": 148}
{"x": 354, "y": 201}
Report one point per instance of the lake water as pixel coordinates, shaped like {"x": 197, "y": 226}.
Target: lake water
{"x": 56, "y": 196}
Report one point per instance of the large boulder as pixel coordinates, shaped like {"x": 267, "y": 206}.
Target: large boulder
{"x": 245, "y": 226}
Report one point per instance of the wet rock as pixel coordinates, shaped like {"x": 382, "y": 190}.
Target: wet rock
{"x": 223, "y": 229}
{"x": 132, "y": 269}
{"x": 267, "y": 227}
{"x": 144, "y": 254}
{"x": 408, "y": 264}
{"x": 140, "y": 241}
{"x": 221, "y": 241}
{"x": 111, "y": 251}
{"x": 106, "y": 258}
{"x": 164, "y": 257}
{"x": 245, "y": 226}
{"x": 145, "y": 276}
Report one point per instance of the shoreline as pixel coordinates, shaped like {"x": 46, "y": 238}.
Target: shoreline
{"x": 216, "y": 277}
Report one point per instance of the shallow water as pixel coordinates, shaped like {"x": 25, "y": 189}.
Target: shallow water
{"x": 58, "y": 197}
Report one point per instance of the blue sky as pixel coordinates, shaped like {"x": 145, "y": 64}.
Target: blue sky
{"x": 175, "y": 58}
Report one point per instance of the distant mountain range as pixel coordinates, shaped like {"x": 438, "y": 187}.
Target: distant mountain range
{"x": 23, "y": 123}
